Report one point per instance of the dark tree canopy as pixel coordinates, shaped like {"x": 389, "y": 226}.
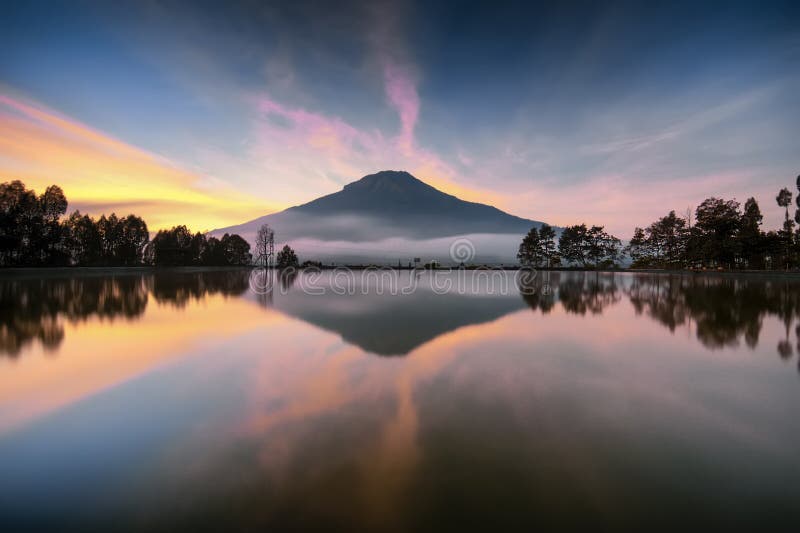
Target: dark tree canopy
{"x": 287, "y": 258}
{"x": 529, "y": 253}
{"x": 724, "y": 235}
{"x": 588, "y": 246}
{"x": 30, "y": 232}
{"x": 538, "y": 247}
{"x": 178, "y": 246}
{"x": 34, "y": 232}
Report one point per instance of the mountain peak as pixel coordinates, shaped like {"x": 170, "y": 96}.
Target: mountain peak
{"x": 388, "y": 181}
{"x": 387, "y": 204}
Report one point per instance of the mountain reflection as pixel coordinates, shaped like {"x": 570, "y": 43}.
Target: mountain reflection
{"x": 370, "y": 316}
{"x": 35, "y": 309}
{"x": 722, "y": 311}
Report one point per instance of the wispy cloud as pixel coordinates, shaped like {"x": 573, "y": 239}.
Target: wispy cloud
{"x": 98, "y": 172}
{"x": 299, "y": 144}
{"x": 402, "y": 94}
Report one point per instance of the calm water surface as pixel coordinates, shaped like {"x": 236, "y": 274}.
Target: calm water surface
{"x": 187, "y": 401}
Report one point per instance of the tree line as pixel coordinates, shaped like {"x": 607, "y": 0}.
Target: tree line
{"x": 577, "y": 245}
{"x": 34, "y": 232}
{"x": 722, "y": 234}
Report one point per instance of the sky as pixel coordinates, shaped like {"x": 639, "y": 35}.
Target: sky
{"x": 210, "y": 114}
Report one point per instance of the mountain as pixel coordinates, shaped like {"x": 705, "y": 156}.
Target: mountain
{"x": 388, "y": 204}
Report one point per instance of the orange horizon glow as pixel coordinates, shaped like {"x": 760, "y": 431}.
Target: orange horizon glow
{"x": 100, "y": 174}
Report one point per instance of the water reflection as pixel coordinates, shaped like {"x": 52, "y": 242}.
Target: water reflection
{"x": 367, "y": 315}
{"x": 722, "y": 310}
{"x": 578, "y": 292}
{"x": 179, "y": 288}
{"x": 217, "y": 408}
{"x": 725, "y": 310}
{"x": 35, "y": 309}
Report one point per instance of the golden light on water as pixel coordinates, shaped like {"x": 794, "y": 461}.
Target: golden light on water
{"x": 99, "y": 354}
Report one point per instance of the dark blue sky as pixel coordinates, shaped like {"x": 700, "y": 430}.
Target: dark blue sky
{"x": 604, "y": 112}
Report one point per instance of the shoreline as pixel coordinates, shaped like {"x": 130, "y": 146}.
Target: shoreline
{"x": 45, "y": 272}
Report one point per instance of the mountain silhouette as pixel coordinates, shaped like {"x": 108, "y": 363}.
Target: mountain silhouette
{"x": 384, "y": 205}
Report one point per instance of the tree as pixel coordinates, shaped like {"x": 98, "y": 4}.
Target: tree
{"x": 287, "y": 258}
{"x": 265, "y": 242}
{"x": 212, "y": 254}
{"x": 669, "y": 236}
{"x": 52, "y": 206}
{"x": 530, "y": 252}
{"x": 236, "y": 250}
{"x": 588, "y": 246}
{"x": 572, "y": 245}
{"x": 547, "y": 240}
{"x": 717, "y": 224}
{"x": 133, "y": 238}
{"x": 83, "y": 241}
{"x": 797, "y": 201}
{"x": 30, "y": 228}
{"x": 602, "y": 249}
{"x": 639, "y": 249}
{"x": 662, "y": 244}
{"x": 33, "y": 233}
{"x": 783, "y": 199}
{"x": 172, "y": 247}
{"x": 538, "y": 247}
{"x": 198, "y": 245}
{"x": 53, "y": 203}
{"x": 751, "y": 238}
{"x": 110, "y": 237}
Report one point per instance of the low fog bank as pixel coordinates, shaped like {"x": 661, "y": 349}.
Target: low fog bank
{"x": 357, "y": 239}
{"x": 292, "y": 225}
{"x": 490, "y": 249}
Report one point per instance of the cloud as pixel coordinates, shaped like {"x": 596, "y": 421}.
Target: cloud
{"x": 402, "y": 94}
{"x": 98, "y": 172}
{"x": 635, "y": 161}
{"x": 298, "y": 144}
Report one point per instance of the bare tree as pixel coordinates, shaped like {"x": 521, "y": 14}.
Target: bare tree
{"x": 265, "y": 246}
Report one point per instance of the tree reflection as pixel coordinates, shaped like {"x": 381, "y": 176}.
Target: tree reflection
{"x": 722, "y": 310}
{"x": 540, "y": 295}
{"x": 179, "y": 288}
{"x": 287, "y": 278}
{"x": 35, "y": 309}
{"x": 578, "y": 292}
{"x": 725, "y": 310}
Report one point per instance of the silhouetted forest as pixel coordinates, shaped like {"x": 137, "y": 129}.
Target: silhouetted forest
{"x": 34, "y": 232}
{"x": 722, "y": 234}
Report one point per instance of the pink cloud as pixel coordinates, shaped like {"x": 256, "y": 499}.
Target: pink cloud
{"x": 300, "y": 145}
{"x": 402, "y": 94}
{"x": 621, "y": 202}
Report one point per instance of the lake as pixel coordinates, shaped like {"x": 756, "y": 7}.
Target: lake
{"x": 231, "y": 400}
